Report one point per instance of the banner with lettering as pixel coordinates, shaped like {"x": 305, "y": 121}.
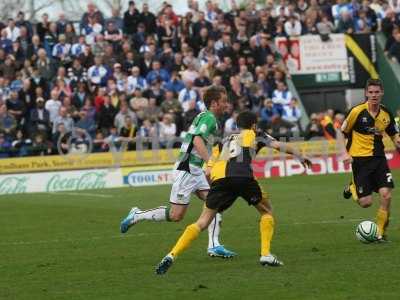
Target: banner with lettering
{"x": 60, "y": 181}
{"x": 308, "y": 54}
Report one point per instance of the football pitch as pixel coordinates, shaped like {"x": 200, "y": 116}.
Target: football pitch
{"x": 68, "y": 246}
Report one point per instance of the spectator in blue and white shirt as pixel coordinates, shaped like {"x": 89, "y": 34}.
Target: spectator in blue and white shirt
{"x": 281, "y": 96}
{"x": 79, "y": 47}
{"x": 135, "y": 81}
{"x": 157, "y": 73}
{"x": 188, "y": 94}
{"x": 61, "y": 49}
{"x": 98, "y": 73}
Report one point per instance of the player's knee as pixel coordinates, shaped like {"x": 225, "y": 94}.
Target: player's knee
{"x": 386, "y": 196}
{"x": 176, "y": 216}
{"x": 366, "y": 202}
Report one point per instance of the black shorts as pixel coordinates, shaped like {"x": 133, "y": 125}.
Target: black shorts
{"x": 225, "y": 191}
{"x": 370, "y": 174}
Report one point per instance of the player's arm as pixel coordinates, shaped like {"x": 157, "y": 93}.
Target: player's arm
{"x": 201, "y": 147}
{"x": 285, "y": 147}
{"x": 345, "y": 131}
{"x": 265, "y": 140}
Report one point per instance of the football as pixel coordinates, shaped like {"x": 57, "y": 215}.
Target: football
{"x": 367, "y": 232}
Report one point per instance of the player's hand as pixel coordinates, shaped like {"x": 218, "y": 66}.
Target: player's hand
{"x": 347, "y": 159}
{"x": 306, "y": 162}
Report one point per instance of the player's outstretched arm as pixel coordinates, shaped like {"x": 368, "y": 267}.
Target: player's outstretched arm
{"x": 285, "y": 147}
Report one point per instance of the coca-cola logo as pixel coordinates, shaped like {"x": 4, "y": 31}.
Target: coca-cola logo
{"x": 88, "y": 180}
{"x": 13, "y": 185}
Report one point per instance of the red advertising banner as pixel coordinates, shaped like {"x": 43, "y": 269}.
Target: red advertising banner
{"x": 330, "y": 164}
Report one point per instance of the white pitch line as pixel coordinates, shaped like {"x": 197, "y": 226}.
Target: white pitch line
{"x": 83, "y": 194}
{"x": 120, "y": 236}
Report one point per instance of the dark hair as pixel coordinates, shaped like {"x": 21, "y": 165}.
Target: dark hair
{"x": 246, "y": 119}
{"x": 213, "y": 93}
{"x": 374, "y": 82}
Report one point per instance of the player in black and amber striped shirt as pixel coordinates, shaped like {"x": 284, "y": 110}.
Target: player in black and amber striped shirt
{"x": 232, "y": 177}
{"x": 364, "y": 127}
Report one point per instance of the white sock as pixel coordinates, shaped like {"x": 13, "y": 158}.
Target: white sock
{"x": 154, "y": 214}
{"x": 213, "y": 231}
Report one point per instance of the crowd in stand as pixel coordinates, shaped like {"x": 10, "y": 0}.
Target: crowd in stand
{"x": 140, "y": 75}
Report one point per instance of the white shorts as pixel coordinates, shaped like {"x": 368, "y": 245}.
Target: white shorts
{"x": 185, "y": 184}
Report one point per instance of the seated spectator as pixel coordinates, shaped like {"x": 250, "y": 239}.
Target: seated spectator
{"x": 292, "y": 114}
{"x": 99, "y": 144}
{"x": 175, "y": 84}
{"x": 293, "y": 26}
{"x": 8, "y": 123}
{"x": 128, "y": 133}
{"x": 119, "y": 120}
{"x": 64, "y": 118}
{"x": 86, "y": 123}
{"x": 98, "y": 73}
{"x": 135, "y": 81}
{"x": 281, "y": 96}
{"x": 139, "y": 104}
{"x": 39, "y": 120}
{"x": 16, "y": 107}
{"x": 314, "y": 129}
{"x": 53, "y": 105}
{"x": 20, "y": 145}
{"x": 157, "y": 73}
{"x": 167, "y": 131}
{"x": 105, "y": 117}
{"x": 325, "y": 27}
{"x": 5, "y": 146}
{"x": 269, "y": 114}
{"x": 326, "y": 120}
{"x": 338, "y": 121}
{"x": 39, "y": 146}
{"x": 346, "y": 23}
{"x": 188, "y": 94}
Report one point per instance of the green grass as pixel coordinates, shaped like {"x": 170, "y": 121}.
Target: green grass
{"x": 59, "y": 246}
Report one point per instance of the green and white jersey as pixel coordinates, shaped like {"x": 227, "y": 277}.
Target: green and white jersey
{"x": 204, "y": 125}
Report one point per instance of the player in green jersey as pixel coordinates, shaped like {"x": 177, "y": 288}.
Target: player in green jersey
{"x": 189, "y": 176}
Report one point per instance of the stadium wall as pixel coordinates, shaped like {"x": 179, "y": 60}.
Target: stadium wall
{"x": 268, "y": 164}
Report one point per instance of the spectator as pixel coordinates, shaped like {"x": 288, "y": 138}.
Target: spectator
{"x": 39, "y": 120}
{"x": 293, "y": 26}
{"x": 188, "y": 94}
{"x": 124, "y": 111}
{"x": 139, "y": 104}
{"x": 157, "y": 73}
{"x": 135, "y": 81}
{"x": 39, "y": 146}
{"x": 86, "y": 123}
{"x": 292, "y": 114}
{"x": 131, "y": 19}
{"x": 53, "y": 105}
{"x": 281, "y": 96}
{"x": 345, "y": 24}
{"x": 106, "y": 115}
{"x": 314, "y": 128}
{"x": 7, "y": 122}
{"x": 13, "y": 32}
{"x": 98, "y": 73}
{"x": 63, "y": 118}
{"x": 167, "y": 131}
{"x": 5, "y": 145}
